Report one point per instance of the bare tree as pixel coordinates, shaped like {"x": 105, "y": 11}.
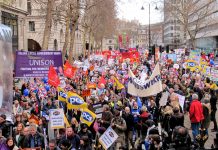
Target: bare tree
{"x": 48, "y": 24}
{"x": 192, "y": 15}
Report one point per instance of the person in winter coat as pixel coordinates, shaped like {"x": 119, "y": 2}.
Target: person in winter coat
{"x": 177, "y": 119}
{"x": 34, "y": 139}
{"x": 85, "y": 137}
{"x": 207, "y": 113}
{"x": 71, "y": 138}
{"x": 119, "y": 126}
{"x": 196, "y": 115}
{"x": 128, "y": 117}
{"x": 4, "y": 126}
{"x": 213, "y": 102}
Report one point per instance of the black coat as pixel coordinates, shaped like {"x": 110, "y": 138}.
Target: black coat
{"x": 129, "y": 121}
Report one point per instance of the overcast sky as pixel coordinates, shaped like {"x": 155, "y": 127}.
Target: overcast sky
{"x": 131, "y": 9}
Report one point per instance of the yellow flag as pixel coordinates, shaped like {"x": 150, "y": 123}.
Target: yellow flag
{"x": 74, "y": 101}
{"x": 87, "y": 116}
{"x": 66, "y": 121}
{"x": 62, "y": 96}
{"x": 118, "y": 84}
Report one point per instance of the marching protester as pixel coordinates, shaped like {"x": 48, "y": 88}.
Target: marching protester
{"x": 128, "y": 103}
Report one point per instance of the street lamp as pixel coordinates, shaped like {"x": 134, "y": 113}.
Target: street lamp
{"x": 149, "y": 24}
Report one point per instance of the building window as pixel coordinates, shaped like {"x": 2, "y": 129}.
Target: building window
{"x": 110, "y": 41}
{"x": 29, "y": 7}
{"x": 55, "y": 45}
{"x": 31, "y": 26}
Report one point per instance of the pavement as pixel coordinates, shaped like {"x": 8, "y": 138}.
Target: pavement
{"x": 212, "y": 135}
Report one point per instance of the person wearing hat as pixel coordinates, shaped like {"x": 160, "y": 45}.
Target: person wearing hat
{"x": 85, "y": 137}
{"x": 3, "y": 126}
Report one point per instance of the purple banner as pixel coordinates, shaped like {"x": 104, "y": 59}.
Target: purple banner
{"x": 36, "y": 64}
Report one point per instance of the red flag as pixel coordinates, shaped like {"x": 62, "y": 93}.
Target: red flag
{"x": 101, "y": 81}
{"x": 53, "y": 78}
{"x": 68, "y": 70}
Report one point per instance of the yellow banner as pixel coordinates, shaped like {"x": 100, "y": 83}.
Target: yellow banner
{"x": 118, "y": 84}
{"x": 87, "y": 116}
{"x": 62, "y": 96}
{"x": 74, "y": 101}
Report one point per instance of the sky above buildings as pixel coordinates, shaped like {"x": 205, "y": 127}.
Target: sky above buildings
{"x": 131, "y": 10}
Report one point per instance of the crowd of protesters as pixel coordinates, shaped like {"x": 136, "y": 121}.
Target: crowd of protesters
{"x": 141, "y": 123}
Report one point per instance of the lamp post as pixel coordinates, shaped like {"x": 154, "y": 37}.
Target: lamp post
{"x": 149, "y": 24}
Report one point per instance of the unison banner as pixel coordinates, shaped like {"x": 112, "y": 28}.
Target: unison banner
{"x": 36, "y": 64}
{"x": 146, "y": 88}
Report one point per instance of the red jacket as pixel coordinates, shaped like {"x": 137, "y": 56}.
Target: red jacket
{"x": 196, "y": 112}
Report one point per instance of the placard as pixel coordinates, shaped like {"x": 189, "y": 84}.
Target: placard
{"x": 214, "y": 74}
{"x": 36, "y": 64}
{"x": 98, "y": 108}
{"x": 108, "y": 138}
{"x": 56, "y": 117}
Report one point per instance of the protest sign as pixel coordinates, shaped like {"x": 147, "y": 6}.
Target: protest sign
{"x": 164, "y": 98}
{"x": 108, "y": 138}
{"x": 195, "y": 55}
{"x": 98, "y": 108}
{"x": 147, "y": 88}
{"x": 214, "y": 74}
{"x": 173, "y": 57}
{"x": 181, "y": 100}
{"x": 36, "y": 64}
{"x": 56, "y": 117}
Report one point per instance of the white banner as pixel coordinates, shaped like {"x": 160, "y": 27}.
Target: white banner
{"x": 147, "y": 88}
{"x": 56, "y": 117}
{"x": 108, "y": 138}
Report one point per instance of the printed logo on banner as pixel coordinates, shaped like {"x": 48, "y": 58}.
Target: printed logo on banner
{"x": 62, "y": 94}
{"x": 75, "y": 100}
{"x": 87, "y": 116}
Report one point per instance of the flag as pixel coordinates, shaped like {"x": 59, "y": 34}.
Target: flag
{"x": 66, "y": 121}
{"x": 101, "y": 81}
{"x": 87, "y": 116}
{"x": 53, "y": 78}
{"x": 91, "y": 85}
{"x": 139, "y": 102}
{"x": 62, "y": 96}
{"x": 68, "y": 70}
{"x": 118, "y": 84}
{"x": 74, "y": 101}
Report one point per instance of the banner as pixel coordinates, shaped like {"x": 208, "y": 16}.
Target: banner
{"x": 87, "y": 116}
{"x": 74, "y": 101}
{"x": 62, "y": 95}
{"x": 6, "y": 70}
{"x": 147, "y": 88}
{"x": 108, "y": 138}
{"x": 36, "y": 64}
{"x": 56, "y": 118}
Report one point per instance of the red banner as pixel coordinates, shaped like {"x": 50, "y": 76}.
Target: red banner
{"x": 53, "y": 78}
